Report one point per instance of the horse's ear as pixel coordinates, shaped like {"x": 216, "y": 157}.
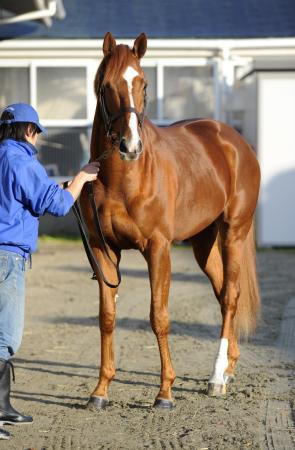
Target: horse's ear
{"x": 140, "y": 45}
{"x": 109, "y": 43}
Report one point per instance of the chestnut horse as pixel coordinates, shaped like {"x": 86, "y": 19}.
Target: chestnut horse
{"x": 196, "y": 179}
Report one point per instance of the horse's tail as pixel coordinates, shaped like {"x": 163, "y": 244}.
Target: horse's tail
{"x": 248, "y": 308}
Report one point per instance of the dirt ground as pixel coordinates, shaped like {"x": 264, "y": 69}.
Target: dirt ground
{"x": 57, "y": 366}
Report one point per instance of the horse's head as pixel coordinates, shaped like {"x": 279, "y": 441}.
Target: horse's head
{"x": 120, "y": 85}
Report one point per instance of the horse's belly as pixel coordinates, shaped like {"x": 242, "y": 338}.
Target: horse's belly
{"x": 195, "y": 213}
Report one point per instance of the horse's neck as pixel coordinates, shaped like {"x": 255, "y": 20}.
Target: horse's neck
{"x": 122, "y": 178}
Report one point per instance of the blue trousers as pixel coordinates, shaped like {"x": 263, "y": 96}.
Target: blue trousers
{"x": 12, "y": 302}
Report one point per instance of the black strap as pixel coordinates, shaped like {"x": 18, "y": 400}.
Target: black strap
{"x": 12, "y": 369}
{"x": 89, "y": 252}
{"x": 109, "y": 119}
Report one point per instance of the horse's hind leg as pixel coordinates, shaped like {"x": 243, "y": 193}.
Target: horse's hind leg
{"x": 107, "y": 310}
{"x": 233, "y": 239}
{"x": 207, "y": 251}
{"x": 158, "y": 259}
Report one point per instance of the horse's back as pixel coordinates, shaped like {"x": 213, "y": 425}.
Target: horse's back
{"x": 213, "y": 164}
{"x": 229, "y": 153}
{"x": 242, "y": 165}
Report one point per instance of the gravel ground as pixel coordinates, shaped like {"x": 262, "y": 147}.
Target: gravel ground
{"x": 57, "y": 366}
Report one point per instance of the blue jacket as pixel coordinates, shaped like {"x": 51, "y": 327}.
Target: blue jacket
{"x": 26, "y": 192}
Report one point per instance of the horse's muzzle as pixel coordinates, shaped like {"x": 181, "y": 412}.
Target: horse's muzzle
{"x": 128, "y": 152}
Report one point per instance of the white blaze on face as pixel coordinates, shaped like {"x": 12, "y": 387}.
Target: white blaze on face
{"x": 129, "y": 75}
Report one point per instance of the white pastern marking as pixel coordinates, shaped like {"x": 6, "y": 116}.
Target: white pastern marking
{"x": 129, "y": 75}
{"x": 221, "y": 363}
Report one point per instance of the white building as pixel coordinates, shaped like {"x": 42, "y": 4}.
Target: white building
{"x": 239, "y": 66}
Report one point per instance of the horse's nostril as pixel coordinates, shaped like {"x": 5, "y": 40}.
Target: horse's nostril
{"x": 123, "y": 146}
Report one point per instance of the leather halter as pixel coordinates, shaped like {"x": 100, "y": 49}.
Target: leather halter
{"x": 109, "y": 119}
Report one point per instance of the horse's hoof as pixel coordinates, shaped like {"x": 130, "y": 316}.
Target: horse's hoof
{"x": 164, "y": 404}
{"x": 228, "y": 379}
{"x": 97, "y": 403}
{"x": 216, "y": 390}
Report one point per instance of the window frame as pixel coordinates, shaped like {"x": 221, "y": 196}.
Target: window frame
{"x": 32, "y": 66}
{"x": 90, "y": 67}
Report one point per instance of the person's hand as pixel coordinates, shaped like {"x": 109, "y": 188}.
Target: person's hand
{"x": 90, "y": 171}
{"x": 87, "y": 173}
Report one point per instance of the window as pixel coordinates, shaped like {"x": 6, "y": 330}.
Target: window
{"x": 61, "y": 93}
{"x": 62, "y": 151}
{"x": 188, "y": 92}
{"x": 62, "y": 98}
{"x": 151, "y": 76}
{"x": 180, "y": 89}
{"x": 14, "y": 82}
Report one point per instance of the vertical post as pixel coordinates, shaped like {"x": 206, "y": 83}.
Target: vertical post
{"x": 33, "y": 84}
{"x": 160, "y": 91}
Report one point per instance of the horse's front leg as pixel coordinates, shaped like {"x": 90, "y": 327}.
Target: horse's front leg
{"x": 107, "y": 311}
{"x": 158, "y": 259}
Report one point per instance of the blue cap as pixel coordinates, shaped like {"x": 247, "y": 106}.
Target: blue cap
{"x": 22, "y": 112}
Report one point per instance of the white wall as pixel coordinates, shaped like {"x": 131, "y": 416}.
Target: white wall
{"x": 276, "y": 152}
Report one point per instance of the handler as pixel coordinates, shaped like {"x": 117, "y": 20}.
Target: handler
{"x": 26, "y": 193}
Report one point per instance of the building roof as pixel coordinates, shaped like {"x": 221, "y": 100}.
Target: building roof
{"x": 91, "y": 19}
{"x": 14, "y": 11}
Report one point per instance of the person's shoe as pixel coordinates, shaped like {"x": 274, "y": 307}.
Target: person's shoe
{"x": 8, "y": 415}
{"x": 4, "y": 434}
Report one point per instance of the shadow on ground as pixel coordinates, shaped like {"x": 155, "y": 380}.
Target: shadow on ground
{"x": 138, "y": 273}
{"x": 197, "y": 330}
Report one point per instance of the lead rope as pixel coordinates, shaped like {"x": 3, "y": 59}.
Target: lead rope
{"x": 89, "y": 252}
